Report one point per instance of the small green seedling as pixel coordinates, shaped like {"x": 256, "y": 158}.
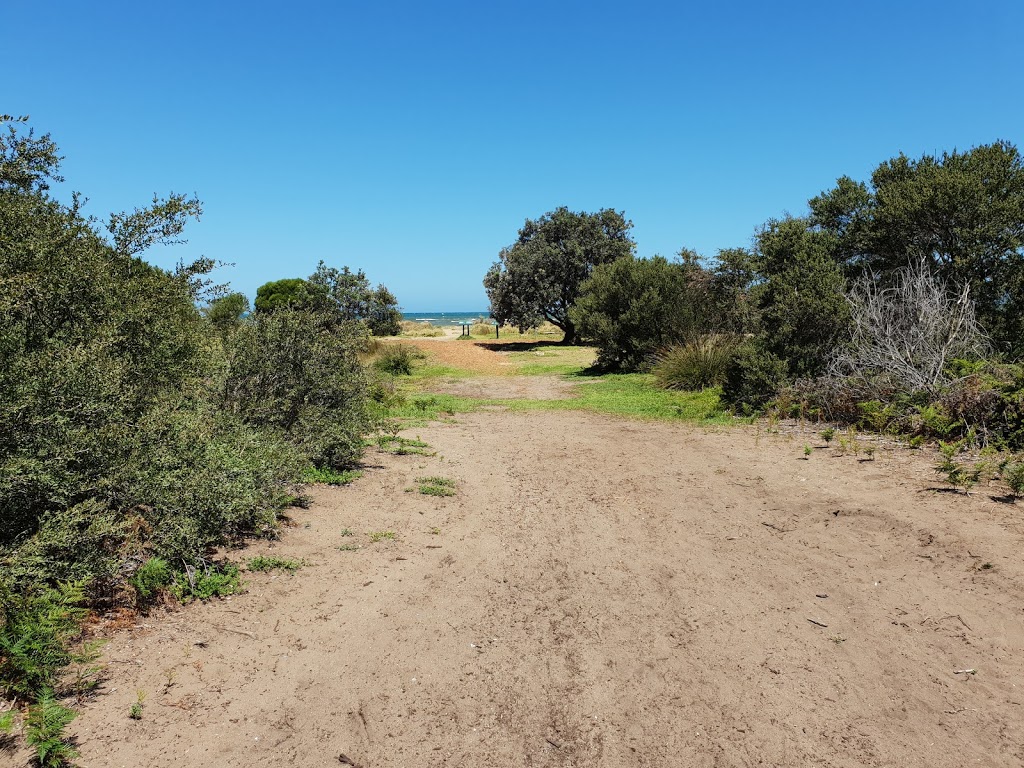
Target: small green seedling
{"x": 807, "y": 451}
{"x": 828, "y": 434}
{"x": 376, "y": 536}
{"x": 348, "y": 547}
{"x": 135, "y": 711}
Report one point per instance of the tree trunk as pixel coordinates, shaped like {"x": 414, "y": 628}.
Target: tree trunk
{"x": 570, "y": 332}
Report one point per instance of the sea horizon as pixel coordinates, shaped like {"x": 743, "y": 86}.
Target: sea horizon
{"x": 446, "y": 317}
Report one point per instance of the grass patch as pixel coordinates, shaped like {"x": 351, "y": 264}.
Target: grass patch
{"x": 329, "y": 476}
{"x": 636, "y": 395}
{"x": 553, "y": 360}
{"x": 436, "y": 486}
{"x": 376, "y": 536}
{"x": 348, "y": 547}
{"x": 263, "y": 564}
{"x": 403, "y": 446}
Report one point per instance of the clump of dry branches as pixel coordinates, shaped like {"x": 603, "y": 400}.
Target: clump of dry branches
{"x": 906, "y": 332}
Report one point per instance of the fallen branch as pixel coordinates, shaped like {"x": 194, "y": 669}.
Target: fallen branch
{"x": 817, "y": 623}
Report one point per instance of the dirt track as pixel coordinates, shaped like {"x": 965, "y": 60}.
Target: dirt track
{"x": 599, "y": 593}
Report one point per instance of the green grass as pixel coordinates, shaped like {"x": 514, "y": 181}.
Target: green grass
{"x": 329, "y": 476}
{"x": 263, "y": 563}
{"x": 552, "y": 360}
{"x": 436, "y": 486}
{"x": 403, "y": 446}
{"x": 376, "y": 536}
{"x": 635, "y": 395}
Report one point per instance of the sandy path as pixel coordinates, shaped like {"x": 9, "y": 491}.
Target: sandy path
{"x": 600, "y": 593}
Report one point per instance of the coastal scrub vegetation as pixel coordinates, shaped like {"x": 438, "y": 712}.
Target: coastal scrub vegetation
{"x": 894, "y": 304}
{"x": 146, "y": 416}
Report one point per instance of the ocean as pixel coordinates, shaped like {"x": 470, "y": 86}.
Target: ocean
{"x": 447, "y": 317}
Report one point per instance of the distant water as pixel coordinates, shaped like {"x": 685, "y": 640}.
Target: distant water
{"x": 447, "y": 317}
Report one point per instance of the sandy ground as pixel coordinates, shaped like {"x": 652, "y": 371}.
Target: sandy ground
{"x": 600, "y": 592}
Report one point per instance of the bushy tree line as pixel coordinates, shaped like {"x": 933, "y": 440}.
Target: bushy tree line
{"x": 919, "y": 270}
{"x": 135, "y": 428}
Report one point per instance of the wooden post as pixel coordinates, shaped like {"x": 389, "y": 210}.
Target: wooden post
{"x": 496, "y": 330}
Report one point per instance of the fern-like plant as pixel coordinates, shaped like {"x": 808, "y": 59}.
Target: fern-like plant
{"x": 44, "y": 730}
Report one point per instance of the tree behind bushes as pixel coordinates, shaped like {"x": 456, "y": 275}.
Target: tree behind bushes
{"x": 539, "y": 277}
{"x": 960, "y": 213}
{"x": 345, "y": 294}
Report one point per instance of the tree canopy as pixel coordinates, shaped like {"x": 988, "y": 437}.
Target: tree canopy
{"x": 539, "y": 276}
{"x": 961, "y": 214}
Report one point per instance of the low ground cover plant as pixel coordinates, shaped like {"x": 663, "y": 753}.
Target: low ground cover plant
{"x": 436, "y": 486}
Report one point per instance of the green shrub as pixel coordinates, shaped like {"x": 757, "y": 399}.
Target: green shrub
{"x": 398, "y": 359}
{"x": 297, "y": 373}
{"x": 44, "y": 731}
{"x": 753, "y": 378}
{"x": 153, "y": 576}
{"x": 1013, "y": 475}
{"x": 203, "y": 582}
{"x": 632, "y": 307}
{"x": 699, "y": 364}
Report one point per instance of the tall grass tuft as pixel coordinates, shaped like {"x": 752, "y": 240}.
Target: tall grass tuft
{"x": 697, "y": 365}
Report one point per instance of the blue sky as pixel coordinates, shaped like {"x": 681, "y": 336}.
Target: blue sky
{"x": 412, "y": 139}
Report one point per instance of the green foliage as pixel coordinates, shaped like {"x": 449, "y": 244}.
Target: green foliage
{"x": 404, "y": 446}
{"x": 958, "y": 212}
{"x": 1013, "y": 475}
{"x": 436, "y": 486}
{"x": 753, "y": 377}
{"x": 376, "y": 536}
{"x": 297, "y": 373}
{"x": 539, "y": 277}
{"x": 290, "y": 293}
{"x": 804, "y": 312}
{"x": 699, "y": 364}
{"x": 398, "y": 359}
{"x": 226, "y": 313}
{"x": 44, "y": 731}
{"x": 264, "y": 563}
{"x": 352, "y": 299}
{"x": 828, "y": 434}
{"x": 7, "y": 722}
{"x": 633, "y": 307}
{"x": 153, "y": 576}
{"x": 329, "y": 476}
{"x": 36, "y": 637}
{"x": 205, "y": 581}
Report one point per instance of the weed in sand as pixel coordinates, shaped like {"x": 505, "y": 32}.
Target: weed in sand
{"x": 206, "y": 581}
{"x": 402, "y": 446}
{"x": 329, "y": 476}
{"x": 436, "y": 486}
{"x": 827, "y": 435}
{"x": 435, "y": 531}
{"x": 347, "y": 532}
{"x": 348, "y": 547}
{"x": 376, "y": 536}
{"x": 264, "y": 563}
{"x": 807, "y": 451}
